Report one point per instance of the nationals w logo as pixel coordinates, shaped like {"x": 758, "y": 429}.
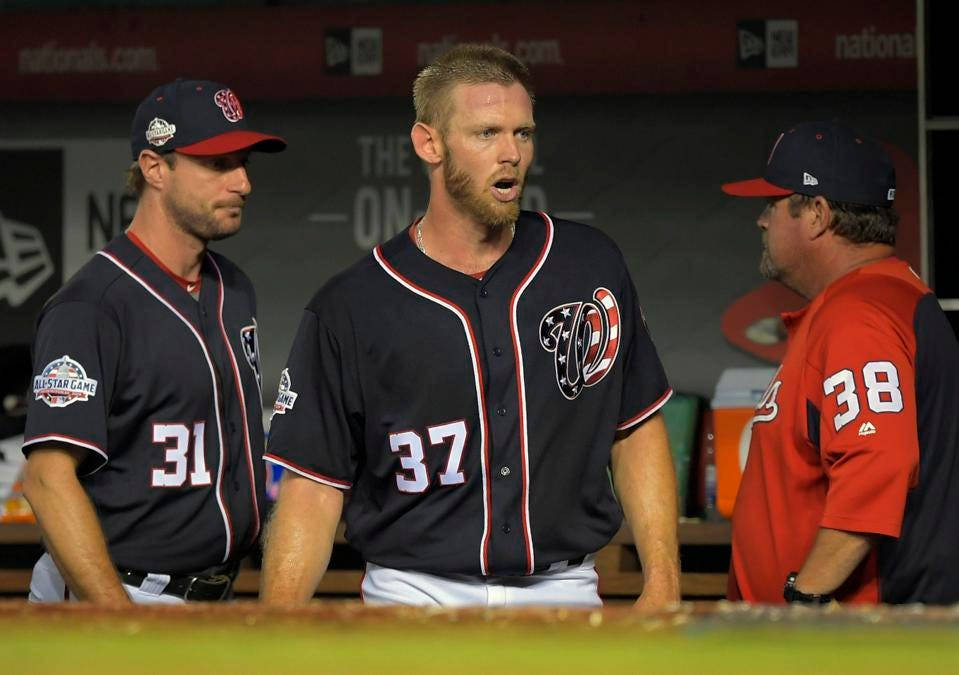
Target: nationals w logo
{"x": 229, "y": 104}
{"x": 585, "y": 339}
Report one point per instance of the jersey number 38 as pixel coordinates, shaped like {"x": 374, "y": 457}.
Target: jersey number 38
{"x": 882, "y": 391}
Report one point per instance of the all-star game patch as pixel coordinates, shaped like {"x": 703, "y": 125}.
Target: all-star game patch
{"x": 62, "y": 382}
{"x": 159, "y": 131}
{"x": 286, "y": 396}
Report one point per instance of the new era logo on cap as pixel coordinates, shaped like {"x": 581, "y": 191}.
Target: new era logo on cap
{"x": 196, "y": 117}
{"x": 825, "y": 159}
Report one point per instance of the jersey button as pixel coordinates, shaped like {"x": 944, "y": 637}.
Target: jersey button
{"x": 497, "y": 351}
{"x": 506, "y": 528}
{"x": 504, "y": 471}
{"x": 483, "y": 292}
{"x": 501, "y": 412}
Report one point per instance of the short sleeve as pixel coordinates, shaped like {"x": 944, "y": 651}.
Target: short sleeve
{"x": 862, "y": 374}
{"x": 645, "y": 387}
{"x": 311, "y": 432}
{"x": 75, "y": 355}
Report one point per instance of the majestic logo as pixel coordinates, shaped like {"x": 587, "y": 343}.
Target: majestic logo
{"x": 286, "y": 396}
{"x": 251, "y": 348}
{"x": 867, "y": 429}
{"x": 585, "y": 339}
{"x": 809, "y": 179}
{"x": 25, "y": 263}
{"x": 229, "y": 104}
{"x": 62, "y": 382}
{"x": 159, "y": 131}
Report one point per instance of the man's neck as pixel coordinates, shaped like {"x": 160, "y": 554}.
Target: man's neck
{"x": 459, "y": 242}
{"x": 181, "y": 252}
{"x": 846, "y": 257}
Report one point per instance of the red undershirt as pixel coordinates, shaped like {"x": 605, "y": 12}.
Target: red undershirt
{"x": 191, "y": 287}
{"x": 475, "y": 275}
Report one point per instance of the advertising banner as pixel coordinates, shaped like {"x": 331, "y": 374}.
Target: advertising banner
{"x": 295, "y": 53}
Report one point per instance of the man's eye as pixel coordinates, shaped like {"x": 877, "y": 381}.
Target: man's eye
{"x": 487, "y": 133}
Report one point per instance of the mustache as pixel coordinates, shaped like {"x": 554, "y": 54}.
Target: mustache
{"x": 512, "y": 177}
{"x": 231, "y": 203}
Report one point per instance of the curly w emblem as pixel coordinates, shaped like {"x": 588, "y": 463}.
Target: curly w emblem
{"x": 584, "y": 336}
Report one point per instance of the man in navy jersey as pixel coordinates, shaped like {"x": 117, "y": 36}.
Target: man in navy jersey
{"x": 472, "y": 383}
{"x": 144, "y": 431}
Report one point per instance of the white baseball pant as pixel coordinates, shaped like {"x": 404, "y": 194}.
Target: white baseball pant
{"x": 47, "y": 585}
{"x": 560, "y": 586}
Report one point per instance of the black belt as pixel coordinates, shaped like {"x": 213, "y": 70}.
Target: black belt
{"x": 200, "y": 587}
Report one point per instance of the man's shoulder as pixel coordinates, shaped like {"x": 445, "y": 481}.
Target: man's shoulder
{"x": 348, "y": 288}
{"x": 889, "y": 288}
{"x": 94, "y": 283}
{"x": 233, "y": 274}
{"x": 577, "y": 245}
{"x": 881, "y": 300}
{"x": 575, "y": 234}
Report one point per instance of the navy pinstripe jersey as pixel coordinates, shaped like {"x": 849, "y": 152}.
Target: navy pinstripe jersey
{"x": 163, "y": 393}
{"x": 472, "y": 420}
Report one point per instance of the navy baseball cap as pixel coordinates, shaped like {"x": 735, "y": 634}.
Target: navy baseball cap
{"x": 196, "y": 117}
{"x": 825, "y": 159}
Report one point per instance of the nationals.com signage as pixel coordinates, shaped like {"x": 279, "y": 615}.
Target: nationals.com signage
{"x": 592, "y": 47}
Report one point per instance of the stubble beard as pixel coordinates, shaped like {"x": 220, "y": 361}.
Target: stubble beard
{"x": 767, "y": 268}
{"x": 479, "y": 205}
{"x": 200, "y": 224}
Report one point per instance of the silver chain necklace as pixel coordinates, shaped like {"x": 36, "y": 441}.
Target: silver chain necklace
{"x": 422, "y": 247}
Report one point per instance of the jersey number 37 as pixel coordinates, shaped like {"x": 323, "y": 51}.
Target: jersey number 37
{"x": 415, "y": 477}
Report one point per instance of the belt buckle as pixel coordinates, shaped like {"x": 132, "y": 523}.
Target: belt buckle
{"x": 189, "y": 588}
{"x": 222, "y": 580}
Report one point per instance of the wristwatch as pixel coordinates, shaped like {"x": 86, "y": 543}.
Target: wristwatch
{"x": 792, "y": 594}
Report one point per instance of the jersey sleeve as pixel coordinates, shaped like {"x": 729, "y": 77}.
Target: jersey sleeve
{"x": 863, "y": 376}
{"x": 75, "y": 356}
{"x": 311, "y": 432}
{"x": 645, "y": 387}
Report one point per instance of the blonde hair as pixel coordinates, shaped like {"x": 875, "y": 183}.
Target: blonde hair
{"x": 136, "y": 182}
{"x": 463, "y": 64}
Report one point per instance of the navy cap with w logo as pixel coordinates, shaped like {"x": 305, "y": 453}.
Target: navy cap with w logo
{"x": 196, "y": 117}
{"x": 825, "y": 159}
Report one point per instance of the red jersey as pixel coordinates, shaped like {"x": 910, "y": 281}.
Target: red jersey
{"x": 857, "y": 432}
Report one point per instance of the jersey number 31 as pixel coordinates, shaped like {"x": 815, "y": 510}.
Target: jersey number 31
{"x": 177, "y": 455}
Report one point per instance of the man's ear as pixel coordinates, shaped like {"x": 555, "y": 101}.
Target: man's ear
{"x": 819, "y": 217}
{"x": 153, "y": 167}
{"x": 427, "y": 142}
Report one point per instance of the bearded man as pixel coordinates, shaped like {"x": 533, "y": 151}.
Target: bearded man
{"x": 144, "y": 432}
{"x": 471, "y": 384}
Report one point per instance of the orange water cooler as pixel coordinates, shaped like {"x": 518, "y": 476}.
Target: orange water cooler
{"x": 738, "y": 391}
